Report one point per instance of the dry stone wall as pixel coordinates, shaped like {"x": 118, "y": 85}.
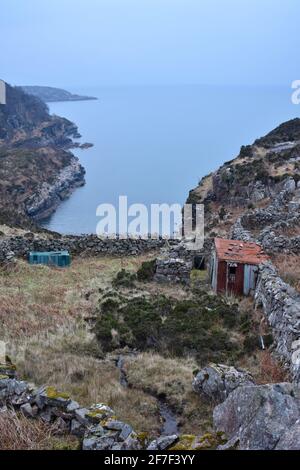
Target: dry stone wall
{"x": 89, "y": 245}
{"x": 96, "y": 427}
{"x": 281, "y": 305}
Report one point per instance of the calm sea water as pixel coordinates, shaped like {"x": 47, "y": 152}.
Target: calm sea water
{"x": 154, "y": 143}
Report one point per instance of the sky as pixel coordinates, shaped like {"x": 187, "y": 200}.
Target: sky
{"x": 79, "y": 43}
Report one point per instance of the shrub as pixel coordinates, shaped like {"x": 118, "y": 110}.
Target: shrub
{"x": 200, "y": 326}
{"x": 147, "y": 271}
{"x": 124, "y": 279}
{"x": 251, "y": 342}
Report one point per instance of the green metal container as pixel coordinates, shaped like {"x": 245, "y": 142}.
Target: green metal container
{"x": 61, "y": 259}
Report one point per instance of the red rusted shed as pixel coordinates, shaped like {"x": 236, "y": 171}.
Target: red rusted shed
{"x": 234, "y": 266}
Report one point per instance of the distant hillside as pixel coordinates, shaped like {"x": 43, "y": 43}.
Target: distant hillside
{"x": 251, "y": 179}
{"x": 50, "y": 94}
{"x": 37, "y": 169}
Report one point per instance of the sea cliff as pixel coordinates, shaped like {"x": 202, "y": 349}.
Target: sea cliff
{"x": 37, "y": 167}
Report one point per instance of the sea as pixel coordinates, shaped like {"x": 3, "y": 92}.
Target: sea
{"x": 153, "y": 144}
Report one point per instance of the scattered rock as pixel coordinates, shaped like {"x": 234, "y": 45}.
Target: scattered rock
{"x": 217, "y": 381}
{"x": 163, "y": 443}
{"x": 29, "y": 411}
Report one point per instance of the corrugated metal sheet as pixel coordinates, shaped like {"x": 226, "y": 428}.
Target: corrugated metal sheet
{"x": 239, "y": 251}
{"x": 235, "y": 265}
{"x": 250, "y": 276}
{"x": 214, "y": 272}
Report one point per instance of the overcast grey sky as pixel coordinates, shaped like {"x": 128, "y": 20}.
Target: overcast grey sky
{"x": 115, "y": 42}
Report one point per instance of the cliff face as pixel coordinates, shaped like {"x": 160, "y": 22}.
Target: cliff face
{"x": 37, "y": 169}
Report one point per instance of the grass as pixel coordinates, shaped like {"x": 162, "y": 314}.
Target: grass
{"x": 289, "y": 269}
{"x": 19, "y": 433}
{"x": 46, "y": 316}
{"x": 43, "y": 320}
{"x": 88, "y": 381}
{"x": 37, "y": 300}
{"x": 171, "y": 379}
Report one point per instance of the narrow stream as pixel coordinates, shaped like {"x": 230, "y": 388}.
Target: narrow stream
{"x": 170, "y": 425}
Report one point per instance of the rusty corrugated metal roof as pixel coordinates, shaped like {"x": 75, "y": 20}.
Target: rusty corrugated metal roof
{"x": 239, "y": 251}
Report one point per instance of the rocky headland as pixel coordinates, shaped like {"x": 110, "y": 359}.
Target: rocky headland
{"x": 37, "y": 168}
{"x": 51, "y": 94}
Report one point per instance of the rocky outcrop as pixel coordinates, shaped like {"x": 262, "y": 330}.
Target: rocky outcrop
{"x": 281, "y": 215}
{"x": 281, "y": 306}
{"x": 264, "y": 417}
{"x": 37, "y": 168}
{"x": 48, "y": 197}
{"x": 217, "y": 381}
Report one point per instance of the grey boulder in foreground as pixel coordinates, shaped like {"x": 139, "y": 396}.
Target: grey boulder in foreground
{"x": 261, "y": 417}
{"x": 217, "y": 380}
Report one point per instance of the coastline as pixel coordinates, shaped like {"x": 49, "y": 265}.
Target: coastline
{"x": 38, "y": 169}
{"x": 45, "y": 202}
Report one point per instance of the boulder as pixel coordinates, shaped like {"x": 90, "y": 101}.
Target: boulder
{"x": 29, "y": 411}
{"x": 216, "y": 381}
{"x": 52, "y": 397}
{"x": 77, "y": 429}
{"x": 261, "y": 417}
{"x": 98, "y": 443}
{"x": 290, "y": 439}
{"x": 163, "y": 442}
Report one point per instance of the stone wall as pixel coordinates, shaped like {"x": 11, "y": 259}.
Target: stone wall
{"x": 88, "y": 245}
{"x": 274, "y": 243}
{"x": 176, "y": 262}
{"x": 173, "y": 270}
{"x": 96, "y": 427}
{"x": 282, "y": 214}
{"x": 238, "y": 232}
{"x": 281, "y": 305}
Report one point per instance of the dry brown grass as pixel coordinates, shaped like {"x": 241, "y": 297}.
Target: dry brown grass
{"x": 288, "y": 266}
{"x": 264, "y": 368}
{"x": 20, "y": 433}
{"x": 270, "y": 370}
{"x": 171, "y": 379}
{"x": 89, "y": 380}
{"x": 42, "y": 319}
{"x": 39, "y": 299}
{"x": 289, "y": 231}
